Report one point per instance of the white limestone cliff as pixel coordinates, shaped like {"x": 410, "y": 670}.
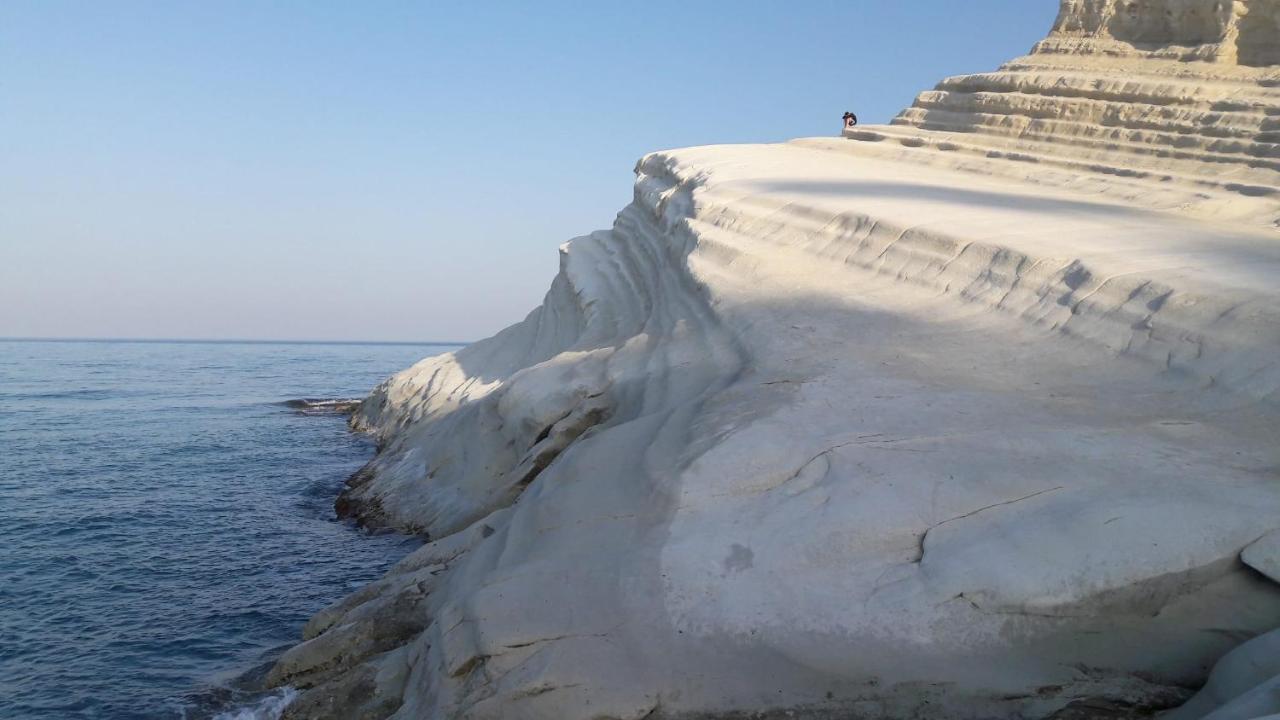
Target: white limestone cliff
{"x": 972, "y": 415}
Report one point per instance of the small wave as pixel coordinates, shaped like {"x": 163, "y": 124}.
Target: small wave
{"x": 322, "y": 406}
{"x": 270, "y": 707}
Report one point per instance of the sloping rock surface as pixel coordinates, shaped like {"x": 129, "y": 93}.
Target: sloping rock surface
{"x": 971, "y": 415}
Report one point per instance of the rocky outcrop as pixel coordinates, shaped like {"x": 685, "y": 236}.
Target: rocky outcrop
{"x": 1107, "y": 104}
{"x": 1232, "y": 32}
{"x": 972, "y": 415}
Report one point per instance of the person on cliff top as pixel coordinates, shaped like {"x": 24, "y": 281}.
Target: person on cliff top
{"x": 850, "y": 119}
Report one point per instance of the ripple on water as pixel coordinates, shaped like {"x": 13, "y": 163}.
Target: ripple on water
{"x": 168, "y": 521}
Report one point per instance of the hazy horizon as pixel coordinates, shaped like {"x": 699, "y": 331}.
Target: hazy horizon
{"x": 391, "y": 171}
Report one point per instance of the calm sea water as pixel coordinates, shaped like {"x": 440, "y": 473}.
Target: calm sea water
{"x": 166, "y": 523}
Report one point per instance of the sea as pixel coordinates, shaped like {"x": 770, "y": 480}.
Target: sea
{"x": 166, "y": 519}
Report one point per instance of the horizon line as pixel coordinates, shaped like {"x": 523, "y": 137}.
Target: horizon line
{"x": 225, "y": 341}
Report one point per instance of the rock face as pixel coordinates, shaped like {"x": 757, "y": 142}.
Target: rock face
{"x": 1234, "y": 32}
{"x": 971, "y": 415}
{"x": 1104, "y": 105}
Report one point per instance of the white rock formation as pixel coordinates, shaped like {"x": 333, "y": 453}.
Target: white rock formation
{"x": 1245, "y": 684}
{"x": 972, "y": 415}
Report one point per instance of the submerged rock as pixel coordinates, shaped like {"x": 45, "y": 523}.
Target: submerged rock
{"x": 972, "y": 415}
{"x": 323, "y": 406}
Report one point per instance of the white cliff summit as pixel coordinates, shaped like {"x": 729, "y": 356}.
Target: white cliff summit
{"x": 974, "y": 415}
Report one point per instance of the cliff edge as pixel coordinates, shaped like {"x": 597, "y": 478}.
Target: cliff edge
{"x": 973, "y": 415}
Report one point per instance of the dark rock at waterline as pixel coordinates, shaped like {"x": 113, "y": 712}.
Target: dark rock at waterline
{"x": 240, "y": 691}
{"x": 364, "y": 512}
{"x": 322, "y": 406}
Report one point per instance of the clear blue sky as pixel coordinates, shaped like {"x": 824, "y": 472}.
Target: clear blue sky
{"x": 397, "y": 170}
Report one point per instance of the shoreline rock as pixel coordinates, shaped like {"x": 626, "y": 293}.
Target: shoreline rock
{"x": 322, "y": 406}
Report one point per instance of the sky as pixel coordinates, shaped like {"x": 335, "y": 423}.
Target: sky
{"x": 397, "y": 171}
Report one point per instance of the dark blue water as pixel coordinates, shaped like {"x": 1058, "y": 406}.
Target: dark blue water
{"x": 166, "y": 523}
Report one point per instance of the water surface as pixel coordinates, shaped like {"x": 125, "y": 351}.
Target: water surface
{"x": 166, "y": 522}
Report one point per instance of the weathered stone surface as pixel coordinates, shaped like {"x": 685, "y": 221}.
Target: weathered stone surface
{"x": 1244, "y": 32}
{"x": 972, "y": 415}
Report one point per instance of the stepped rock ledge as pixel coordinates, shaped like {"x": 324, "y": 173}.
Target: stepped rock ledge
{"x": 972, "y": 415}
